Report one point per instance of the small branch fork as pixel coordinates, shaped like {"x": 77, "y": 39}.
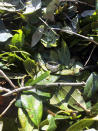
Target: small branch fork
{"x": 9, "y": 81}
{"x": 23, "y": 88}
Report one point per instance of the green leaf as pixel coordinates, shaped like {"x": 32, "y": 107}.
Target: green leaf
{"x": 91, "y": 86}
{"x": 94, "y": 109}
{"x": 34, "y": 107}
{"x": 80, "y": 125}
{"x": 18, "y": 38}
{"x": 48, "y": 79}
{"x": 40, "y": 93}
{"x": 64, "y": 54}
{"x": 51, "y": 9}
{"x": 48, "y": 124}
{"x": 30, "y": 66}
{"x": 52, "y": 125}
{"x": 68, "y": 95}
{"x": 10, "y": 57}
{"x": 53, "y": 55}
{"x": 23, "y": 119}
{"x": 41, "y": 61}
{"x": 37, "y": 35}
{"x": 31, "y": 82}
{"x": 18, "y": 103}
{"x": 61, "y": 117}
{"x": 49, "y": 39}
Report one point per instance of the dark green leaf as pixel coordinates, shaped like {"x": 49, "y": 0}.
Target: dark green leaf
{"x": 37, "y": 35}
{"x": 64, "y": 54}
{"x": 49, "y": 39}
{"x": 30, "y": 66}
{"x": 94, "y": 109}
{"x": 80, "y": 125}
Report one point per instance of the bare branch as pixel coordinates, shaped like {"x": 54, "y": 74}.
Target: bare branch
{"x": 42, "y": 86}
{"x": 63, "y": 84}
{"x": 9, "y": 81}
{"x": 89, "y": 56}
{"x": 7, "y": 108}
{"x": 86, "y": 110}
{"x": 4, "y": 89}
{"x": 74, "y": 33}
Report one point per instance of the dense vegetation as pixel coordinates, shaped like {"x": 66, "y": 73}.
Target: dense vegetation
{"x": 48, "y": 65}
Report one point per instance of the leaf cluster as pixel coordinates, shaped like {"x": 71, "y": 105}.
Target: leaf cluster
{"x": 51, "y": 42}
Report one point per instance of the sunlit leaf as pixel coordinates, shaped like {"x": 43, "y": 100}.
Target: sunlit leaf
{"x": 18, "y": 38}
{"x": 38, "y": 79}
{"x": 34, "y": 107}
{"x": 52, "y": 125}
{"x": 68, "y": 96}
{"x": 61, "y": 117}
{"x": 49, "y": 79}
{"x": 32, "y": 6}
{"x": 23, "y": 119}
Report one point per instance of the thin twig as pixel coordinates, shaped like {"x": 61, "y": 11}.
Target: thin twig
{"x": 89, "y": 56}
{"x": 48, "y": 26}
{"x": 85, "y": 3}
{"x": 81, "y": 2}
{"x": 9, "y": 81}
{"x": 90, "y": 67}
{"x": 86, "y": 110}
{"x": 74, "y": 33}
{"x": 42, "y": 86}
{"x": 4, "y": 89}
{"x": 7, "y": 108}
